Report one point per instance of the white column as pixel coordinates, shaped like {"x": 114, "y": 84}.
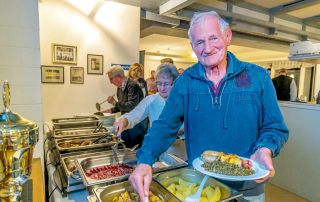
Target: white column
{"x": 301, "y": 81}
{"x": 317, "y": 80}
{"x": 20, "y": 59}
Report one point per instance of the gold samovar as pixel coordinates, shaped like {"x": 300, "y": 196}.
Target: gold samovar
{"x": 18, "y": 137}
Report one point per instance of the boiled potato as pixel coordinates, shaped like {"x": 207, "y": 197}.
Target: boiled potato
{"x": 204, "y": 199}
{"x": 216, "y": 195}
{"x": 182, "y": 189}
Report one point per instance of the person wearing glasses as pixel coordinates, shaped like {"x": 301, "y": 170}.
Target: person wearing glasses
{"x": 152, "y": 105}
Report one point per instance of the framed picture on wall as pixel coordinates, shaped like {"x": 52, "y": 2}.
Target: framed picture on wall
{"x": 52, "y": 74}
{"x": 64, "y": 54}
{"x": 77, "y": 75}
{"x": 95, "y": 64}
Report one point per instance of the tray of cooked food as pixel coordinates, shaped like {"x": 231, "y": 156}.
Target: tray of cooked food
{"x": 72, "y": 175}
{"x": 123, "y": 192}
{"x": 229, "y": 167}
{"x": 84, "y": 143}
{"x": 79, "y": 132}
{"x": 105, "y": 170}
{"x": 75, "y": 122}
{"x": 184, "y": 182}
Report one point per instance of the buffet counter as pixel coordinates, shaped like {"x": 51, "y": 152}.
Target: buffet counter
{"x": 297, "y": 166}
{"x": 37, "y": 181}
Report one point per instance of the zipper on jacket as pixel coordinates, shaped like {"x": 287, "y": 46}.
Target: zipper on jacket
{"x": 216, "y": 100}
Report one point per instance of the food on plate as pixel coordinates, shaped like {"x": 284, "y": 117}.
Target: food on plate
{"x": 132, "y": 197}
{"x": 109, "y": 171}
{"x": 182, "y": 189}
{"x": 226, "y": 164}
{"x": 209, "y": 155}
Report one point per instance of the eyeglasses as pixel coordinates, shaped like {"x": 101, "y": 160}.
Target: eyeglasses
{"x": 165, "y": 84}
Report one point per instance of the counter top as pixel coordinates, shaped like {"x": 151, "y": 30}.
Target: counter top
{"x": 38, "y": 193}
{"x": 299, "y": 105}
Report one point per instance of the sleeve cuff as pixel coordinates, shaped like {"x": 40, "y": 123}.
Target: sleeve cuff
{"x": 144, "y": 158}
{"x": 270, "y": 145}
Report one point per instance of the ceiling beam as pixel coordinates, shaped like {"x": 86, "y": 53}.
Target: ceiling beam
{"x": 238, "y": 38}
{"x": 285, "y": 8}
{"x": 174, "y": 5}
{"x": 250, "y": 20}
{"x": 312, "y": 19}
{"x": 159, "y": 18}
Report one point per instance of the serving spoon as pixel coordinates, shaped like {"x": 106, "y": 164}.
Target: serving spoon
{"x": 196, "y": 197}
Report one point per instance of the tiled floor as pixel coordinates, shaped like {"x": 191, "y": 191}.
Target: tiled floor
{"x": 277, "y": 194}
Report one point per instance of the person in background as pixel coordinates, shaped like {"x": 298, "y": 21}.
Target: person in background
{"x": 180, "y": 70}
{"x": 129, "y": 94}
{"x": 151, "y": 83}
{"x": 227, "y": 105}
{"x": 164, "y": 60}
{"x": 152, "y": 105}
{"x": 136, "y": 73}
{"x": 318, "y": 98}
{"x": 285, "y": 86}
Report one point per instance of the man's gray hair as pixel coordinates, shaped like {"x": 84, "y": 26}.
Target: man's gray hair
{"x": 200, "y": 16}
{"x": 115, "y": 71}
{"x": 167, "y": 69}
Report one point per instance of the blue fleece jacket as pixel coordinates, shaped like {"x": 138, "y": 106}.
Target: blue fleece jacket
{"x": 241, "y": 118}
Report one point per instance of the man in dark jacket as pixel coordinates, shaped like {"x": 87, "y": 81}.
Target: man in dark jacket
{"x": 285, "y": 86}
{"x": 129, "y": 94}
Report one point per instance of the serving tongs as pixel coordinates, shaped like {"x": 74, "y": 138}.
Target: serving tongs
{"x": 98, "y": 128}
{"x": 115, "y": 148}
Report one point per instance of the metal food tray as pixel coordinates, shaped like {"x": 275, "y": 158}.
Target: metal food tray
{"x": 74, "y": 179}
{"x": 167, "y": 162}
{"x": 110, "y": 143}
{"x": 107, "y": 193}
{"x": 75, "y": 122}
{"x": 193, "y": 176}
{"x": 79, "y": 132}
{"x": 92, "y": 198}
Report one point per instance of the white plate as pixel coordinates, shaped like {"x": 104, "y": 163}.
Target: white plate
{"x": 260, "y": 172}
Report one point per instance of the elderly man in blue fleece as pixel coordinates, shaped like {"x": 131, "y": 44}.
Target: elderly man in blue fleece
{"x": 226, "y": 104}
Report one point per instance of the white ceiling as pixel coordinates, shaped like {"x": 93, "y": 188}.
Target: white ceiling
{"x": 163, "y": 45}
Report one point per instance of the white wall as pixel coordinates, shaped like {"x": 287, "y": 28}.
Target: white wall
{"x": 297, "y": 166}
{"x": 111, "y": 36}
{"x": 20, "y": 59}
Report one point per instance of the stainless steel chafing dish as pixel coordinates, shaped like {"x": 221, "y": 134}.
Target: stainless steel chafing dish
{"x": 73, "y": 178}
{"x": 62, "y": 144}
{"x": 166, "y": 162}
{"x": 79, "y": 132}
{"x": 75, "y": 122}
{"x": 104, "y": 194}
{"x": 92, "y": 198}
{"x": 194, "y": 176}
